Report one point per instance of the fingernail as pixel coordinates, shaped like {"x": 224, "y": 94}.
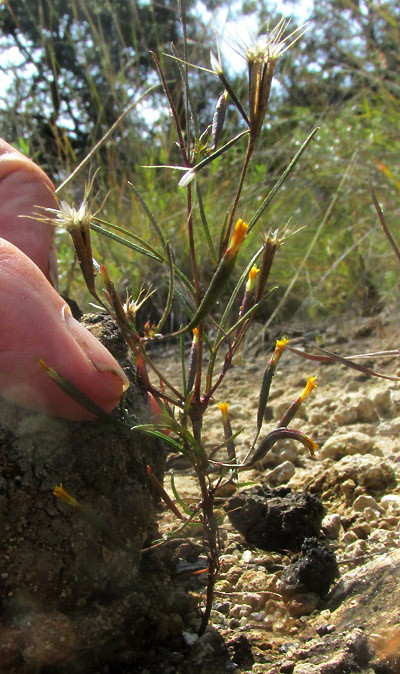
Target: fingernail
{"x": 93, "y": 349}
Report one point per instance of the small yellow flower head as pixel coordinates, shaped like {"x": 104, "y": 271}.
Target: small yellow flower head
{"x": 237, "y": 237}
{"x": 195, "y": 336}
{"x": 308, "y": 388}
{"x": 280, "y": 345}
{"x": 224, "y": 407}
{"x": 252, "y": 278}
{"x": 64, "y": 496}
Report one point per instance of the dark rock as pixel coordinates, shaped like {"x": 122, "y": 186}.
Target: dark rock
{"x": 71, "y": 596}
{"x": 314, "y": 569}
{"x": 210, "y": 654}
{"x": 276, "y": 519}
{"x": 106, "y": 330}
{"x": 240, "y": 649}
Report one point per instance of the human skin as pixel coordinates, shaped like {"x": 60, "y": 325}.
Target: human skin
{"x": 36, "y": 324}
{"x": 23, "y": 188}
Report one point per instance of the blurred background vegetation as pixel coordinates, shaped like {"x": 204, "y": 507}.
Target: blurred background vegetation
{"x": 69, "y": 69}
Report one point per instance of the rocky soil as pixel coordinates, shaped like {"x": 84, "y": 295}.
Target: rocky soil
{"x": 310, "y": 555}
{"x": 279, "y": 607}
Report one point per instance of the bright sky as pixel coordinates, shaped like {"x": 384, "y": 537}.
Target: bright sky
{"x": 248, "y": 27}
{"x": 226, "y": 30}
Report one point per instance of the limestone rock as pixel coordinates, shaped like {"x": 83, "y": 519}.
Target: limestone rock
{"x": 346, "y": 444}
{"x": 282, "y": 473}
{"x": 371, "y": 472}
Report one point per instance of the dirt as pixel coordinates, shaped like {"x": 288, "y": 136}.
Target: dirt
{"x": 355, "y": 419}
{"x": 278, "y": 608}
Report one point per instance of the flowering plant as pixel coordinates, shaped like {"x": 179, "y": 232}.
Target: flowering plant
{"x": 215, "y": 327}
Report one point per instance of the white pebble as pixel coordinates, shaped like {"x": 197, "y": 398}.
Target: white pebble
{"x": 371, "y": 515}
{"x": 246, "y": 557}
{"x": 349, "y": 537}
{"x": 282, "y": 473}
{"x": 364, "y": 501}
{"x": 391, "y": 502}
{"x": 331, "y": 525}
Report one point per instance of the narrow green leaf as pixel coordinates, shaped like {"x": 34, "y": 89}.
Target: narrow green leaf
{"x": 205, "y": 225}
{"x": 188, "y": 177}
{"x": 128, "y": 234}
{"x": 182, "y": 503}
{"x": 170, "y": 296}
{"x": 149, "y": 214}
{"x": 125, "y": 242}
{"x": 75, "y": 393}
{"x": 150, "y": 430}
{"x": 183, "y": 365}
{"x": 281, "y": 180}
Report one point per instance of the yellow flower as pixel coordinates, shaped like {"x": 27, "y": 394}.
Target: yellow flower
{"x": 280, "y": 345}
{"x": 308, "y": 388}
{"x": 237, "y": 237}
{"x": 64, "y": 496}
{"x": 252, "y": 278}
{"x": 224, "y": 407}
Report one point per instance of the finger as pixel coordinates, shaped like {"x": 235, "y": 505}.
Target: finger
{"x": 37, "y": 324}
{"x": 23, "y": 188}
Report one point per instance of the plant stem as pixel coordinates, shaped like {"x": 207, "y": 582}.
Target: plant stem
{"x": 249, "y": 152}
{"x": 210, "y": 530}
{"x": 191, "y": 244}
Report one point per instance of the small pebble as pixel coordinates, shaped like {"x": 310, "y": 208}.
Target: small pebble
{"x": 325, "y": 629}
{"x": 223, "y": 607}
{"x": 371, "y": 515}
{"x": 331, "y": 526}
{"x": 258, "y": 616}
{"x": 239, "y": 610}
{"x": 365, "y": 501}
{"x": 246, "y": 557}
{"x": 389, "y": 523}
{"x": 362, "y": 529}
{"x": 217, "y": 618}
{"x": 391, "y": 502}
{"x": 189, "y": 638}
{"x": 381, "y": 538}
{"x": 348, "y": 487}
{"x": 254, "y": 599}
{"x": 349, "y": 537}
{"x": 282, "y": 473}
{"x": 303, "y": 604}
